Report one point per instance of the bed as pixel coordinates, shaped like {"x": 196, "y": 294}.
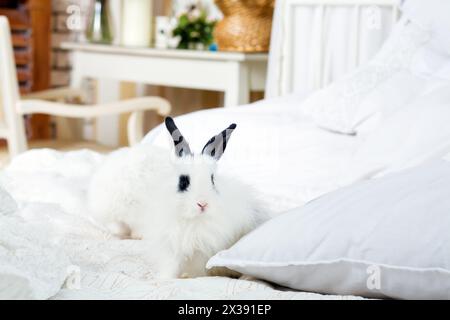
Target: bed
{"x": 47, "y": 189}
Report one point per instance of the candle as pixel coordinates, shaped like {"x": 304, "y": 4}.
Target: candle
{"x": 136, "y": 23}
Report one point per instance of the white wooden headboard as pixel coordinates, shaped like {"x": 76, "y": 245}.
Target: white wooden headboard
{"x": 314, "y": 42}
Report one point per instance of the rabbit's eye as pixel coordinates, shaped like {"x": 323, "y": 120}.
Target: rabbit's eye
{"x": 212, "y": 179}
{"x": 183, "y": 183}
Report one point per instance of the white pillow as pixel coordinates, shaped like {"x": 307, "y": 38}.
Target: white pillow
{"x": 432, "y": 15}
{"x": 386, "y": 83}
{"x": 386, "y": 237}
{"x": 412, "y": 135}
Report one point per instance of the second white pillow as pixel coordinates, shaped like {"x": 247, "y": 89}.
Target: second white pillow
{"x": 412, "y": 135}
{"x": 383, "y": 85}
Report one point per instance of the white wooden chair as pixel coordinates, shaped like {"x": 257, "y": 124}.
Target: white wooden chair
{"x": 14, "y": 107}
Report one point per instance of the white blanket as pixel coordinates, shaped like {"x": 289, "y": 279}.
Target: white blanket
{"x": 31, "y": 264}
{"x": 46, "y": 253}
{"x": 86, "y": 262}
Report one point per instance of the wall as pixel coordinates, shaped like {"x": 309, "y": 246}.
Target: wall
{"x": 61, "y": 62}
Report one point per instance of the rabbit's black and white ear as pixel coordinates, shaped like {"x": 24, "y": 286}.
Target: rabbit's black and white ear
{"x": 180, "y": 143}
{"x": 215, "y": 147}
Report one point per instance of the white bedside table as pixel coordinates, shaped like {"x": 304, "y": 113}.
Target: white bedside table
{"x": 236, "y": 74}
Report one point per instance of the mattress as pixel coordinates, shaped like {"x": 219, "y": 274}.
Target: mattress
{"x": 50, "y": 190}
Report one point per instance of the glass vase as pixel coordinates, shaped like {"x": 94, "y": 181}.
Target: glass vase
{"x": 99, "y": 29}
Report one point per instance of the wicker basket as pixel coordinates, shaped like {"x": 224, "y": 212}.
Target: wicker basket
{"x": 246, "y": 25}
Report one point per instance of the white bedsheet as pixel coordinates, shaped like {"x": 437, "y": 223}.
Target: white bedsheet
{"x": 47, "y": 248}
{"x": 96, "y": 268}
{"x": 50, "y": 188}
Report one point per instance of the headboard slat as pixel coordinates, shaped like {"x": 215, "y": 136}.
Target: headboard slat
{"x": 315, "y": 42}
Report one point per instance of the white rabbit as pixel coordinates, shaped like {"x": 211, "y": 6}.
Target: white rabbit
{"x": 179, "y": 202}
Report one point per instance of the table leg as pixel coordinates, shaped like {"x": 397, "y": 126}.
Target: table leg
{"x": 238, "y": 89}
{"x": 69, "y": 128}
{"x": 107, "y": 127}
{"x": 129, "y": 90}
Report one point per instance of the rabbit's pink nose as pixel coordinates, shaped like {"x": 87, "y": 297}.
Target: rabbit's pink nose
{"x": 202, "y": 205}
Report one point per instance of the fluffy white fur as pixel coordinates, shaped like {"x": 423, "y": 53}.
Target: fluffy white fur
{"x": 136, "y": 191}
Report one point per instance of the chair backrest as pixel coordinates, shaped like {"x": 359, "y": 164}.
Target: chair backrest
{"x": 9, "y": 92}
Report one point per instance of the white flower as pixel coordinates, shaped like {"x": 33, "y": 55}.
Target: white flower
{"x": 194, "y": 14}
{"x": 210, "y": 19}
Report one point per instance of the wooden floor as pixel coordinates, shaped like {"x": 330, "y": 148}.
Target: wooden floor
{"x": 58, "y": 145}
